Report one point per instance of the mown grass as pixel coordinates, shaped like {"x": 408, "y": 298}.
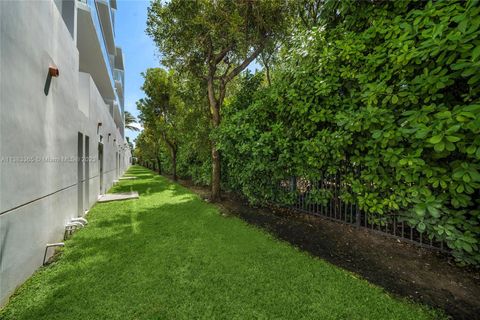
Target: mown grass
{"x": 170, "y": 255}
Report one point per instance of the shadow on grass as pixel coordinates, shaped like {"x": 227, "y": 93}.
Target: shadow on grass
{"x": 108, "y": 266}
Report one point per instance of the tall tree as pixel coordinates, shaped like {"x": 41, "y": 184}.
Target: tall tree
{"x": 130, "y": 121}
{"x": 148, "y": 148}
{"x": 214, "y": 41}
{"x": 160, "y": 109}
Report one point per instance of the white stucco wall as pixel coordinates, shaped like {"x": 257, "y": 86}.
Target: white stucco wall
{"x": 38, "y": 197}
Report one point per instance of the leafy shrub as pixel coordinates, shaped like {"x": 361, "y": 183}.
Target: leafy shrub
{"x": 395, "y": 95}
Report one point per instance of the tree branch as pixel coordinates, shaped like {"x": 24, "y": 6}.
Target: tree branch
{"x": 223, "y": 91}
{"x": 229, "y": 65}
{"x": 244, "y": 64}
{"x": 218, "y": 57}
{"x": 210, "y": 88}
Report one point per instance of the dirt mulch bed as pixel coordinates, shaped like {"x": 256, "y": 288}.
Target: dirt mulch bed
{"x": 401, "y": 268}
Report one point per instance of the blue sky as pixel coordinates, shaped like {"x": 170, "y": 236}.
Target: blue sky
{"x": 138, "y": 49}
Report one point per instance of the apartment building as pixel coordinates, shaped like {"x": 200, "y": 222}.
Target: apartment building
{"x": 62, "y": 138}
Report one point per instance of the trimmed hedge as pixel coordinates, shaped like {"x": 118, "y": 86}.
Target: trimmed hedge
{"x": 391, "y": 89}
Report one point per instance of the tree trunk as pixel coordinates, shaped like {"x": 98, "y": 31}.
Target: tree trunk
{"x": 174, "y": 164}
{"x": 216, "y": 174}
{"x": 216, "y": 102}
{"x": 159, "y": 165}
{"x": 172, "y": 145}
{"x": 215, "y": 113}
{"x": 267, "y": 72}
{"x": 216, "y": 168}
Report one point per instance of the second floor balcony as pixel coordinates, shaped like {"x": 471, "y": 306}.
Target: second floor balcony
{"x": 94, "y": 57}
{"x": 119, "y": 77}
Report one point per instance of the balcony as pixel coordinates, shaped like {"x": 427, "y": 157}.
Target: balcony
{"x": 119, "y": 59}
{"x": 106, "y": 19}
{"x": 117, "y": 114}
{"x": 92, "y": 48}
{"x": 119, "y": 77}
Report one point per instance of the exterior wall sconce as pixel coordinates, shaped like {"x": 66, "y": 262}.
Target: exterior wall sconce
{"x": 99, "y": 124}
{"x": 114, "y": 140}
{"x": 53, "y": 71}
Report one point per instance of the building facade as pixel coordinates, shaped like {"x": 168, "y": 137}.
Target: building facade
{"x": 62, "y": 138}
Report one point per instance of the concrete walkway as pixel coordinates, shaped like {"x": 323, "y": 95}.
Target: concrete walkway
{"x": 127, "y": 178}
{"x": 118, "y": 196}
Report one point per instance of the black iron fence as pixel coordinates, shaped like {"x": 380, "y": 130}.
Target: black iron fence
{"x": 333, "y": 207}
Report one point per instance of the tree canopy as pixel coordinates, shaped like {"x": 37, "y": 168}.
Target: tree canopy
{"x": 214, "y": 41}
{"x": 160, "y": 111}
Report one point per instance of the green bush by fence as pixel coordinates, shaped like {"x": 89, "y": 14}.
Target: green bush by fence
{"x": 393, "y": 93}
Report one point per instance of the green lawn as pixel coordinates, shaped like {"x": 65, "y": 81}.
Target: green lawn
{"x": 169, "y": 255}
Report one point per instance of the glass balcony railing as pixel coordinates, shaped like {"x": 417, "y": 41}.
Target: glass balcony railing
{"x": 119, "y": 75}
{"x": 112, "y": 15}
{"x": 103, "y": 45}
{"x": 114, "y": 74}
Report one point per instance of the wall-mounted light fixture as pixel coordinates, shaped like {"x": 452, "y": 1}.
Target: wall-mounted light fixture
{"x": 53, "y": 71}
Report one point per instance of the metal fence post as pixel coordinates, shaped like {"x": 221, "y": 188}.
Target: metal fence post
{"x": 293, "y": 183}
{"x": 358, "y": 217}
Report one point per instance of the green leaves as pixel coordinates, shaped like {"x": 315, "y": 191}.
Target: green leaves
{"x": 421, "y": 226}
{"x": 476, "y": 53}
{"x": 436, "y": 139}
{"x": 420, "y": 210}
{"x": 453, "y": 138}
{"x": 439, "y": 147}
{"x": 397, "y": 98}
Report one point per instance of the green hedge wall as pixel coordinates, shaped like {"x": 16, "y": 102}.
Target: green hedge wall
{"x": 392, "y": 90}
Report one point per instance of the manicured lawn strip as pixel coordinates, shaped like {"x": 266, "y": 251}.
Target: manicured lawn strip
{"x": 171, "y": 255}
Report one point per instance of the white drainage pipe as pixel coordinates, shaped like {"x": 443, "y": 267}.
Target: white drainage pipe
{"x": 73, "y": 225}
{"x": 83, "y": 221}
{"x": 50, "y": 245}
